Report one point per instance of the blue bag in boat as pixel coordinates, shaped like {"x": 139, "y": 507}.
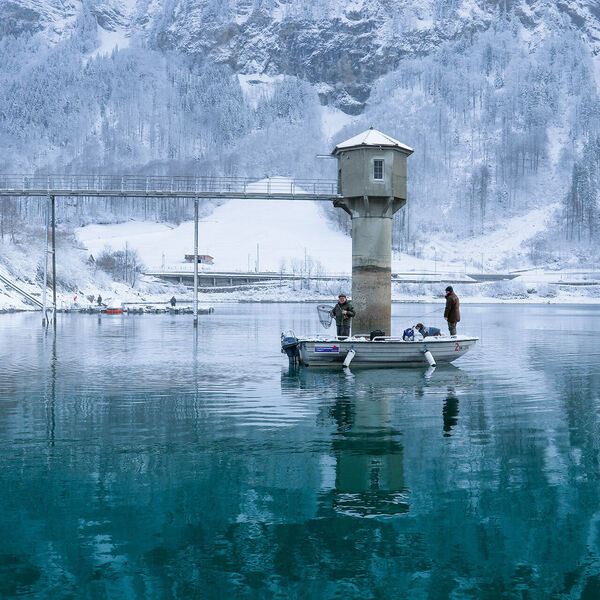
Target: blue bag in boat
{"x": 409, "y": 335}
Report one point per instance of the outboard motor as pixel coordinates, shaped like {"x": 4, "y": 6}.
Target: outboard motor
{"x": 289, "y": 346}
{"x": 377, "y": 333}
{"x": 409, "y": 335}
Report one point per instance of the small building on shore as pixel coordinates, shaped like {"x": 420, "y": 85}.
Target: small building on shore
{"x": 204, "y": 259}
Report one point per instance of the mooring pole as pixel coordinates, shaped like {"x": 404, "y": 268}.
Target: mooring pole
{"x": 196, "y": 261}
{"x": 52, "y": 203}
{"x": 44, "y": 309}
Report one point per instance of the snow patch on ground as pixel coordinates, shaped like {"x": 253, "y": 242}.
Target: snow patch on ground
{"x": 257, "y": 87}
{"x": 596, "y": 64}
{"x": 109, "y": 41}
{"x": 235, "y": 234}
{"x": 129, "y": 6}
{"x": 77, "y": 281}
{"x": 494, "y": 247}
{"x": 556, "y": 142}
{"x": 334, "y": 120}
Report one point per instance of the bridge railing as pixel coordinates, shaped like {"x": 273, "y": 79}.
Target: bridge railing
{"x": 165, "y": 184}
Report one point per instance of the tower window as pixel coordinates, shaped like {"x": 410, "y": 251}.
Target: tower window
{"x": 378, "y": 169}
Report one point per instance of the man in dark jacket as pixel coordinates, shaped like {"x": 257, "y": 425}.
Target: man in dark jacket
{"x": 452, "y": 312}
{"x": 343, "y": 312}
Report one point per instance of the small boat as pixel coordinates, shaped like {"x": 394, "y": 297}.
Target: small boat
{"x": 114, "y": 311}
{"x": 382, "y": 351}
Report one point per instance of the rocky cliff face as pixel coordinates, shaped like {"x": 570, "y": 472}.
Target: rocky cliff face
{"x": 344, "y": 46}
{"x": 30, "y": 16}
{"x": 340, "y": 46}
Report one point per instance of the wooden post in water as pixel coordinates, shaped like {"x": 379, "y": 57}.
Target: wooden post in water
{"x": 196, "y": 261}
{"x": 52, "y": 203}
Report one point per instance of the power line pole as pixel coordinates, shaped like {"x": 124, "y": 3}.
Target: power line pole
{"x": 126, "y": 266}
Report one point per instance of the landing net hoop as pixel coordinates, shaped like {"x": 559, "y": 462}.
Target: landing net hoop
{"x": 324, "y": 311}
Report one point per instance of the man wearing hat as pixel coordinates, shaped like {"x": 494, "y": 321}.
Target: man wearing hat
{"x": 452, "y": 312}
{"x": 343, "y": 312}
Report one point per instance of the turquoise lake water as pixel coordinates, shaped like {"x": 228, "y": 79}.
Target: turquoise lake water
{"x": 139, "y": 460}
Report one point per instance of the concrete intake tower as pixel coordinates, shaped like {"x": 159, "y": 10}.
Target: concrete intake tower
{"x": 372, "y": 181}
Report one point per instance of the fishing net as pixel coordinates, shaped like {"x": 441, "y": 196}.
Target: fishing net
{"x": 324, "y": 311}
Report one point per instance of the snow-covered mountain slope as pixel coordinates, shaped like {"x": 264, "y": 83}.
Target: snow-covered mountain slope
{"x": 499, "y": 98}
{"x": 344, "y": 46}
{"x": 30, "y": 16}
{"x": 341, "y": 46}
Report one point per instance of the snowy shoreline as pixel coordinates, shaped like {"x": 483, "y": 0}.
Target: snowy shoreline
{"x": 467, "y": 301}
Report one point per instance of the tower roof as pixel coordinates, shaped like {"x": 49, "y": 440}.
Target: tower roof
{"x": 372, "y": 137}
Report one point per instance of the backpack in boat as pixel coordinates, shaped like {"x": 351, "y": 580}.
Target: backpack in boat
{"x": 409, "y": 335}
{"x": 376, "y": 333}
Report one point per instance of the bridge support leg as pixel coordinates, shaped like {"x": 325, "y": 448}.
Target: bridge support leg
{"x": 196, "y": 261}
{"x": 46, "y": 240}
{"x": 52, "y": 203}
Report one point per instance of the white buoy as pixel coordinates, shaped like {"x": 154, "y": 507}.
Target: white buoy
{"x": 430, "y": 358}
{"x": 349, "y": 357}
{"x": 430, "y": 371}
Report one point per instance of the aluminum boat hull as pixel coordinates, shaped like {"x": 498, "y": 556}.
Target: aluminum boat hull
{"x": 315, "y": 352}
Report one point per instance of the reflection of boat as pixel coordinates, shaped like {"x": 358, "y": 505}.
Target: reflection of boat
{"x": 385, "y": 381}
{"x": 380, "y": 351}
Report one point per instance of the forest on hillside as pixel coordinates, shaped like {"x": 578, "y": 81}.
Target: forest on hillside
{"x": 499, "y": 128}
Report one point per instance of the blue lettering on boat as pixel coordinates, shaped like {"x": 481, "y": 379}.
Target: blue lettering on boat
{"x": 333, "y": 349}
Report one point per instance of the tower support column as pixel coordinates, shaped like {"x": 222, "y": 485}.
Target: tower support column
{"x": 371, "y": 260}
{"x": 372, "y": 273}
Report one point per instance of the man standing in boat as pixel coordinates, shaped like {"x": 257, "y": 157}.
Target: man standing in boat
{"x": 343, "y": 312}
{"x": 452, "y": 312}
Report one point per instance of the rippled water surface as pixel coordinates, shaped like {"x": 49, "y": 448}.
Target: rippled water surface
{"x": 138, "y": 460}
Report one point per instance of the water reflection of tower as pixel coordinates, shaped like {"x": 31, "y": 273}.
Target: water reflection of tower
{"x": 369, "y": 459}
{"x": 450, "y": 411}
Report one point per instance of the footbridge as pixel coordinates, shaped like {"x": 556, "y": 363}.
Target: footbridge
{"x": 157, "y": 186}
{"x": 141, "y": 186}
